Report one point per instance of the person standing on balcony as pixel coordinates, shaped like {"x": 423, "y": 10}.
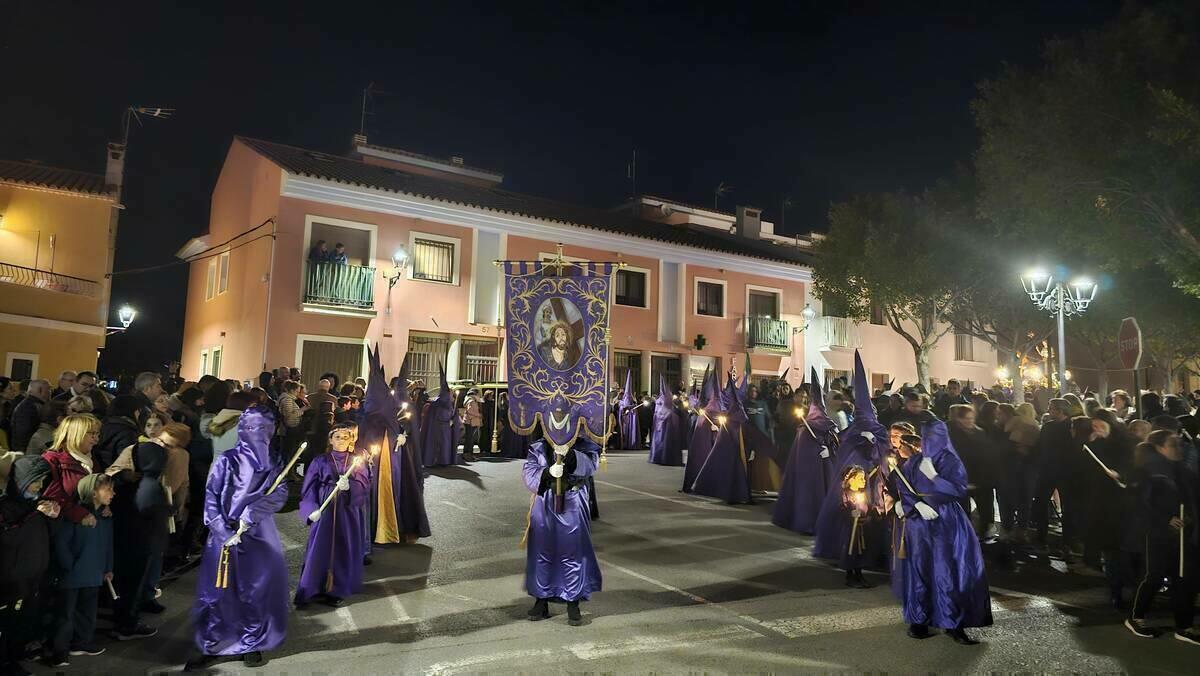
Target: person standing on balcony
{"x": 338, "y": 257}
{"x": 319, "y": 253}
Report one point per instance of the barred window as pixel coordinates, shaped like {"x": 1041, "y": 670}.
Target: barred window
{"x": 631, "y": 288}
{"x": 433, "y": 261}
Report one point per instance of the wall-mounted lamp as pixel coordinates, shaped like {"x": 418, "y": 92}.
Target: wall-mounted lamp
{"x": 399, "y": 262}
{"x": 807, "y": 315}
{"x": 126, "y": 315}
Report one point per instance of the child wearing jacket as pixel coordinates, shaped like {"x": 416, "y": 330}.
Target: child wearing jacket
{"x": 84, "y": 556}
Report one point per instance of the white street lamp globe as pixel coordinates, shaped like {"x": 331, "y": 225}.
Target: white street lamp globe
{"x": 126, "y": 314}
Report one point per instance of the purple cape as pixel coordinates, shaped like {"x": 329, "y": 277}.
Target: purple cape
{"x": 559, "y": 559}
{"x": 250, "y": 614}
{"x": 725, "y": 473}
{"x": 666, "y": 440}
{"x": 439, "y": 427}
{"x": 702, "y": 437}
{"x": 335, "y": 540}
{"x": 627, "y": 417}
{"x": 943, "y": 583}
{"x": 807, "y": 477}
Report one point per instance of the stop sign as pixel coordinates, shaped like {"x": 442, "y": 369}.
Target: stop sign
{"x": 1129, "y": 343}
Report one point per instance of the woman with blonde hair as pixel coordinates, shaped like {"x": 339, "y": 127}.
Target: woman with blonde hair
{"x": 70, "y": 459}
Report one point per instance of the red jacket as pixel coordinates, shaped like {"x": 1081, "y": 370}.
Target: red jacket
{"x": 63, "y": 487}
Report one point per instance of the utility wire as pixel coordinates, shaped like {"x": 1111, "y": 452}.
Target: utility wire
{"x": 203, "y": 255}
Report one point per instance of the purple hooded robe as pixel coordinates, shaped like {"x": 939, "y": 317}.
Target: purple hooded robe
{"x": 627, "y": 415}
{"x": 700, "y": 442}
{"x": 725, "y": 472}
{"x": 397, "y": 500}
{"x": 864, "y": 443}
{"x": 251, "y": 613}
{"x": 943, "y": 583}
{"x": 559, "y": 559}
{"x": 666, "y": 439}
{"x": 441, "y": 428}
{"x": 808, "y": 476}
{"x": 335, "y": 540}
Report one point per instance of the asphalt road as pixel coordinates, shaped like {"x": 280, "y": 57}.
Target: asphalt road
{"x": 690, "y": 585}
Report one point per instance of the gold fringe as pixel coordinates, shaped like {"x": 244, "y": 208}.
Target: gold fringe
{"x": 223, "y": 569}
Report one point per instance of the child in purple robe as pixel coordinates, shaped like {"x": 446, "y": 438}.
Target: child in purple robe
{"x": 333, "y": 562}
{"x": 242, "y": 585}
{"x": 559, "y": 560}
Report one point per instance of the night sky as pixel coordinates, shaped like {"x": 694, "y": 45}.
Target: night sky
{"x": 810, "y": 101}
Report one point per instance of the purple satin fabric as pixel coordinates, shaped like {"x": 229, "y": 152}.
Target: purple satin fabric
{"x": 251, "y": 613}
{"x": 559, "y": 559}
{"x": 723, "y": 474}
{"x": 943, "y": 582}
{"x": 698, "y": 449}
{"x": 666, "y": 441}
{"x": 631, "y": 429}
{"x": 335, "y": 540}
{"x": 806, "y": 481}
{"x": 440, "y": 427}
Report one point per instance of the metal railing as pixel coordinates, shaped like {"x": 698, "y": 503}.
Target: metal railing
{"x": 480, "y": 369}
{"x": 838, "y": 332}
{"x": 340, "y": 285}
{"x": 765, "y": 332}
{"x": 48, "y": 281}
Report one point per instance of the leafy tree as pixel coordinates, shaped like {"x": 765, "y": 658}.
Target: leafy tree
{"x": 1099, "y": 146}
{"x": 902, "y": 253}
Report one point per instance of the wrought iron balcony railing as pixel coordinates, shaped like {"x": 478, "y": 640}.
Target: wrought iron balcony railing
{"x": 767, "y": 333}
{"x": 838, "y": 332}
{"x": 340, "y": 285}
{"x": 48, "y": 281}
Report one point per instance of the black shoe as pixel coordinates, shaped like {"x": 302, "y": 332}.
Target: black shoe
{"x": 540, "y": 610}
{"x": 134, "y": 633}
{"x": 201, "y": 662}
{"x": 59, "y": 660}
{"x": 960, "y": 637}
{"x": 333, "y": 602}
{"x": 254, "y": 660}
{"x": 367, "y": 561}
{"x": 918, "y": 631}
{"x": 860, "y": 582}
{"x": 1139, "y": 629}
{"x": 153, "y": 607}
{"x": 574, "y": 618}
{"x": 86, "y": 650}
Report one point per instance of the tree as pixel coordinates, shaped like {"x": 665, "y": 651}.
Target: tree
{"x": 901, "y": 253}
{"x": 1100, "y": 145}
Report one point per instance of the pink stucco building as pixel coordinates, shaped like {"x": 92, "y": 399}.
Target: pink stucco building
{"x": 701, "y": 287}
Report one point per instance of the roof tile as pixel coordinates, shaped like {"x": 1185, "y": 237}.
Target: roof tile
{"x": 51, "y": 178}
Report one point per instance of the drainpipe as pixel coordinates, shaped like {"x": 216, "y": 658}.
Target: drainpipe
{"x": 270, "y": 285}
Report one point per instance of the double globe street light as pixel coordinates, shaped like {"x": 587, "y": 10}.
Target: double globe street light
{"x": 1062, "y": 300}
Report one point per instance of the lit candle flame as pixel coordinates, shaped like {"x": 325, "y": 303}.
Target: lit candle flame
{"x": 798, "y": 413}
{"x": 722, "y": 419}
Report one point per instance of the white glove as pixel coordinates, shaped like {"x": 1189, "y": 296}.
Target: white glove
{"x": 900, "y": 509}
{"x": 561, "y": 450}
{"x": 972, "y": 506}
{"x": 556, "y": 471}
{"x": 824, "y": 451}
{"x": 751, "y": 458}
{"x": 300, "y": 468}
{"x": 401, "y": 439}
{"x": 316, "y": 514}
{"x": 234, "y": 541}
{"x": 868, "y": 436}
{"x": 243, "y": 526}
{"x": 927, "y": 469}
{"x": 343, "y": 483}
{"x": 928, "y": 513}
{"x": 716, "y": 429}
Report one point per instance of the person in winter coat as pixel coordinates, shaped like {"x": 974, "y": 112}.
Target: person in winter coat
{"x": 140, "y": 532}
{"x": 52, "y": 414}
{"x": 70, "y": 459}
{"x": 28, "y": 414}
{"x": 25, "y": 527}
{"x": 119, "y": 431}
{"x": 84, "y": 558}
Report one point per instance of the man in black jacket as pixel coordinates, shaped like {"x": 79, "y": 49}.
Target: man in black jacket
{"x": 25, "y": 526}
{"x": 1053, "y": 472}
{"x": 1166, "y": 506}
{"x": 28, "y": 414}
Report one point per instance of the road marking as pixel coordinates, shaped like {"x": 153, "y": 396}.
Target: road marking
{"x": 343, "y": 614}
{"x": 393, "y": 598}
{"x": 694, "y": 504}
{"x": 476, "y": 514}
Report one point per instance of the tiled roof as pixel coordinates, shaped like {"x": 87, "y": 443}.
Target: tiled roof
{"x": 352, "y": 172}
{"x": 428, "y": 158}
{"x": 51, "y": 178}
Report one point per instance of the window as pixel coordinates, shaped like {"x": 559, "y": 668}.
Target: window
{"x": 433, "y": 260}
{"x": 964, "y": 347}
{"x": 626, "y": 362}
{"x": 877, "y": 314}
{"x": 763, "y": 304}
{"x": 223, "y": 273}
{"x": 21, "y": 365}
{"x": 210, "y": 283}
{"x": 879, "y": 382}
{"x": 214, "y": 362}
{"x": 710, "y": 298}
{"x": 631, "y": 288}
{"x": 203, "y": 364}
{"x": 425, "y": 352}
{"x": 669, "y": 367}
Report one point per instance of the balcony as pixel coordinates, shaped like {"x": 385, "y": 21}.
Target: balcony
{"x": 48, "y": 281}
{"x": 331, "y": 285}
{"x": 765, "y": 333}
{"x": 837, "y": 333}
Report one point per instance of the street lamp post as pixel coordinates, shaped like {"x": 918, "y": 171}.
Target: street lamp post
{"x": 1061, "y": 300}
{"x": 126, "y": 315}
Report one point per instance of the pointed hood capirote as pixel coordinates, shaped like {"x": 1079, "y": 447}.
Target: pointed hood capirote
{"x": 705, "y": 397}
{"x": 380, "y": 406}
{"x": 816, "y": 417}
{"x": 627, "y": 399}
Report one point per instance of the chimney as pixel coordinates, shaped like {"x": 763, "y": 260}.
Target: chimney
{"x": 749, "y": 222}
{"x": 114, "y": 172}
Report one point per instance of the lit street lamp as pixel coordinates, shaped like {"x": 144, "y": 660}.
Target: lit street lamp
{"x": 1061, "y": 300}
{"x": 399, "y": 261}
{"x": 126, "y": 315}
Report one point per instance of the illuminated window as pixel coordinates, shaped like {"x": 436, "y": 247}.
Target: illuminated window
{"x": 433, "y": 260}
{"x": 210, "y": 283}
{"x": 964, "y": 347}
{"x": 710, "y": 299}
{"x": 223, "y": 273}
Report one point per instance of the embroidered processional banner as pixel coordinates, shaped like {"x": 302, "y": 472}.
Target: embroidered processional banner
{"x": 556, "y": 317}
